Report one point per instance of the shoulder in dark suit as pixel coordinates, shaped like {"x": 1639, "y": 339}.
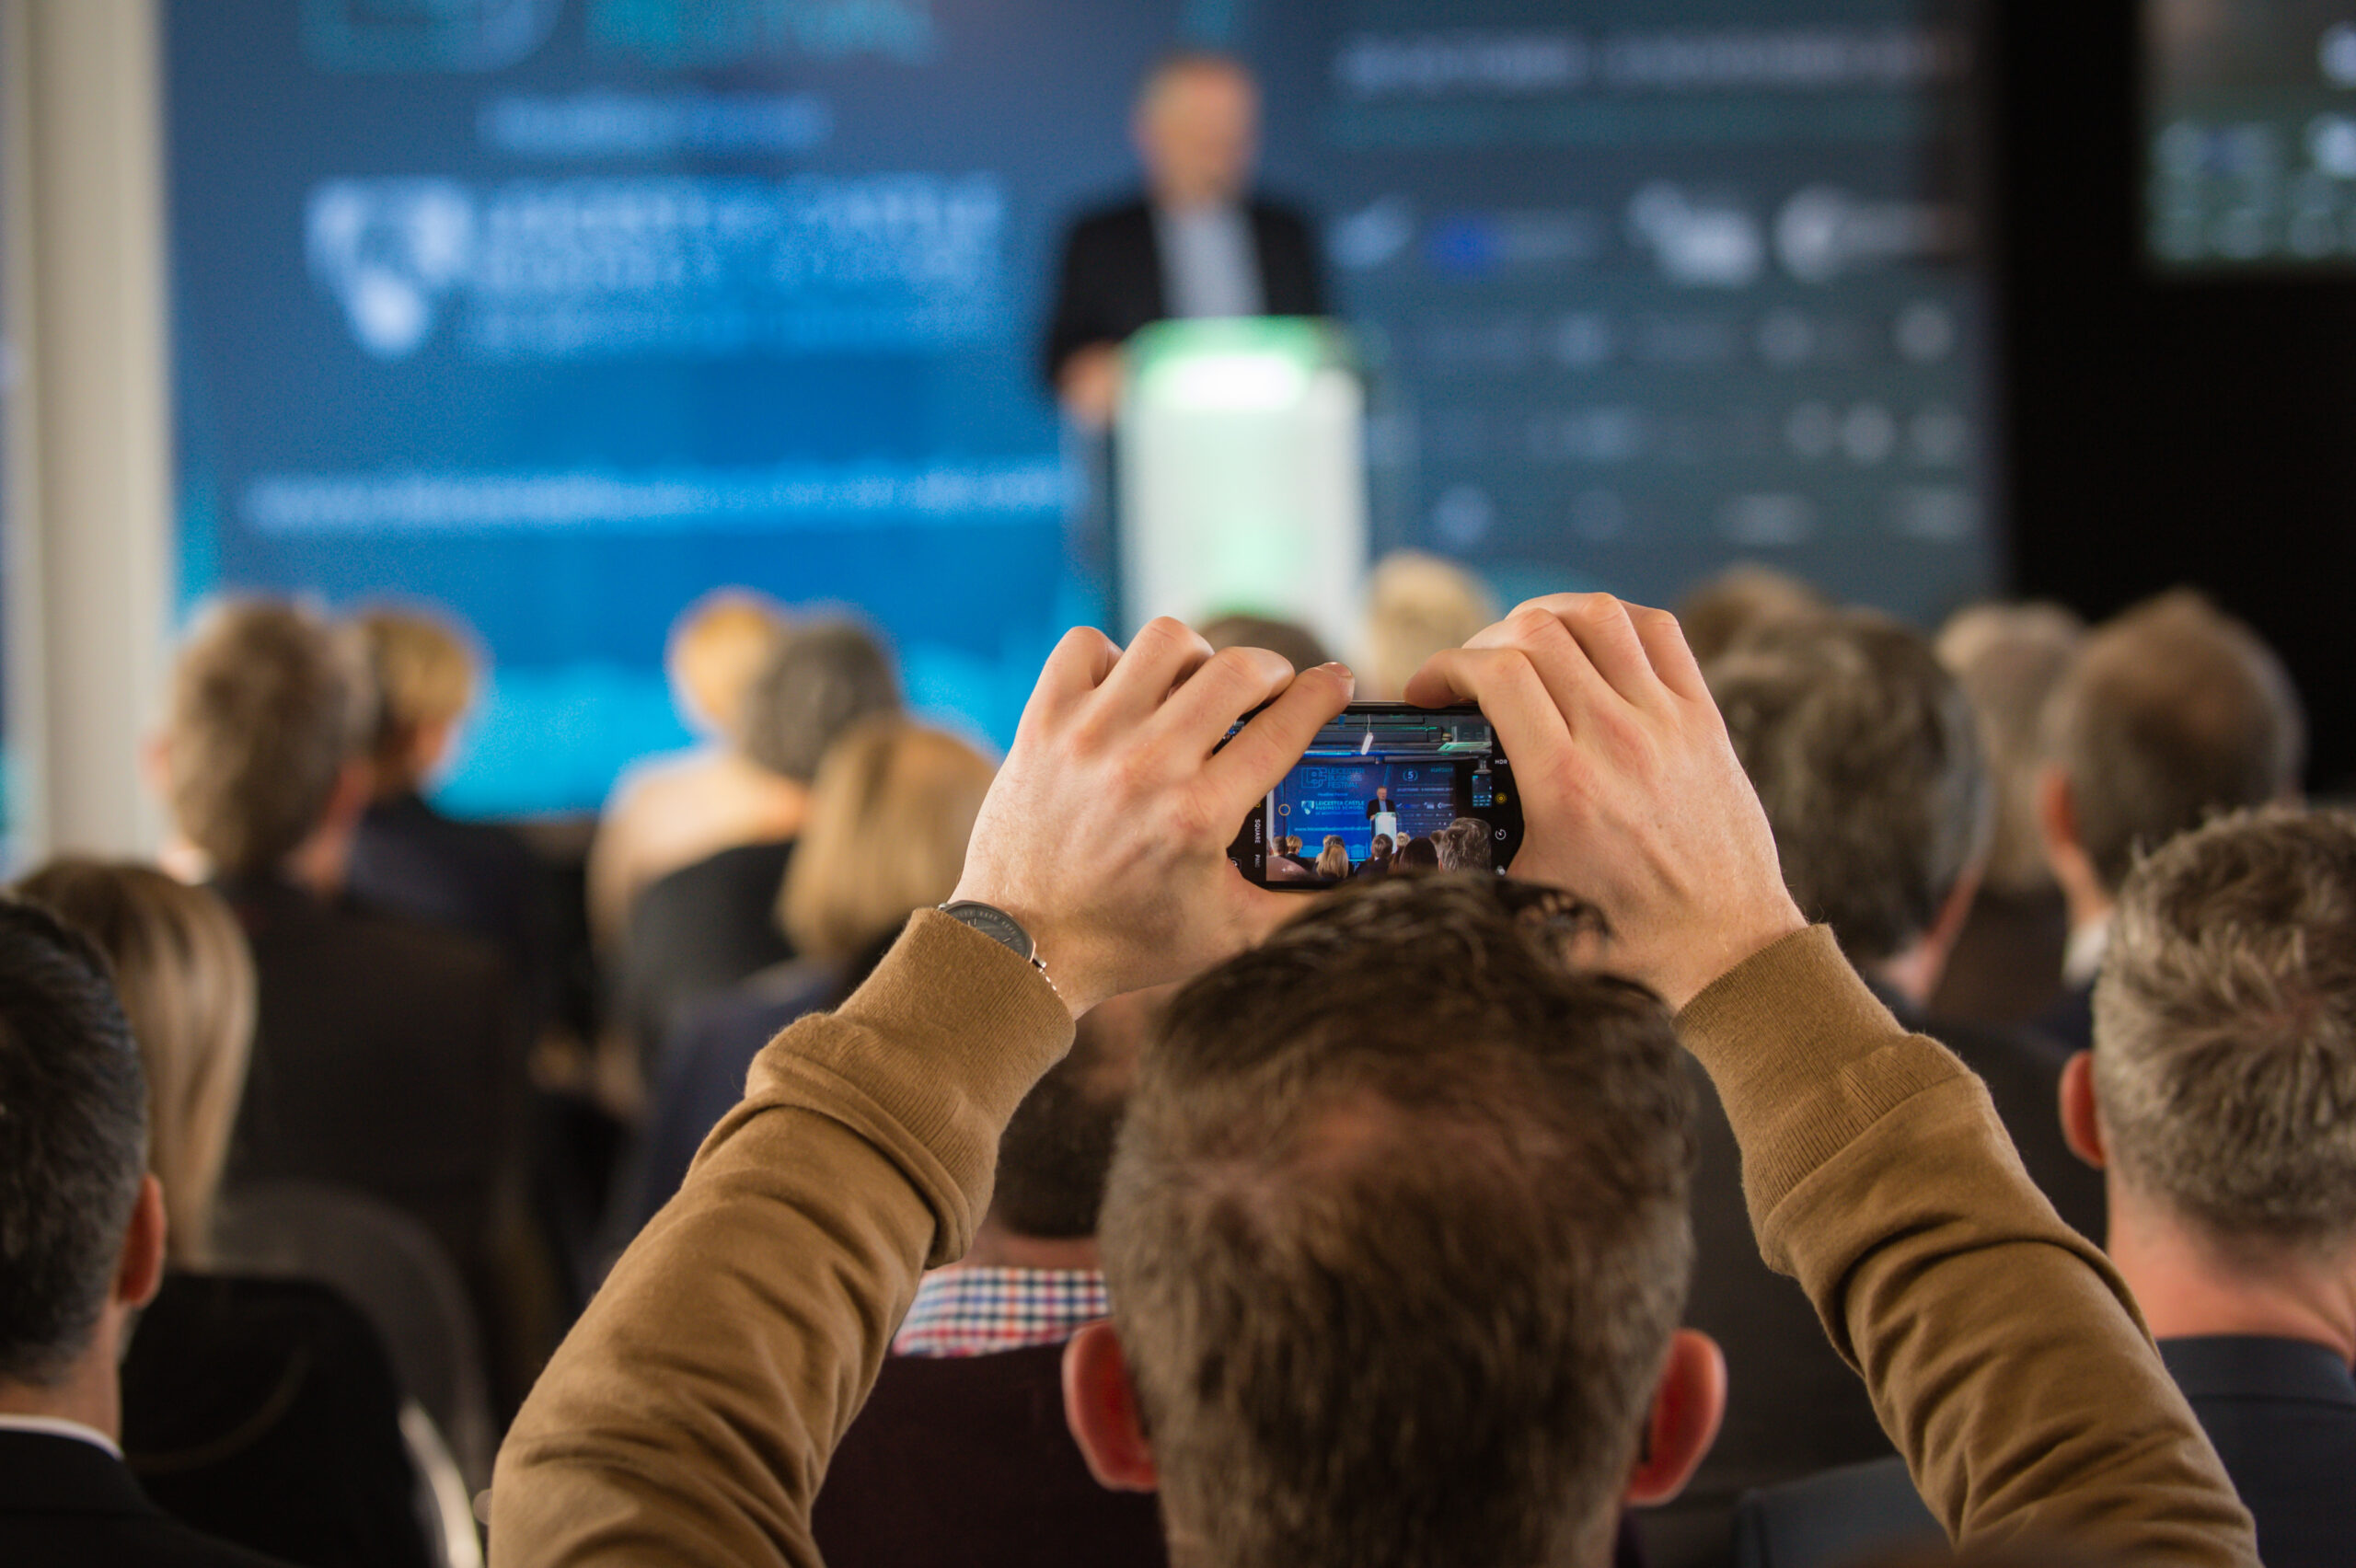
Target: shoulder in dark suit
{"x": 409, "y": 859}
{"x": 1110, "y": 283}
{"x": 699, "y": 931}
{"x": 68, "y": 1503}
{"x": 265, "y": 1412}
{"x": 1023, "y": 1499}
{"x": 2282, "y": 1416}
{"x": 387, "y": 1058}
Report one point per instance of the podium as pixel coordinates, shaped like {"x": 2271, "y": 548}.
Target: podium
{"x": 1241, "y": 468}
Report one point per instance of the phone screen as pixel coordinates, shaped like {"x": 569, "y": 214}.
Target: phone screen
{"x": 1378, "y": 777}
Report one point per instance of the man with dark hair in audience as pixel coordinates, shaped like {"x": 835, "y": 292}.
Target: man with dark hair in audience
{"x": 702, "y": 929}
{"x": 81, "y": 1250}
{"x": 1866, "y": 756}
{"x": 1463, "y": 845}
{"x": 388, "y": 1057}
{"x": 1418, "y": 853}
{"x": 2218, "y": 1100}
{"x": 973, "y": 1385}
{"x": 1395, "y": 1235}
{"x": 2173, "y": 712}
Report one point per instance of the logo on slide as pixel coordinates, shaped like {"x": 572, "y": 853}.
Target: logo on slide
{"x": 425, "y": 35}
{"x": 390, "y": 252}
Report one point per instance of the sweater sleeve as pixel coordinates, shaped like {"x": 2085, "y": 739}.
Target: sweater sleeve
{"x": 2004, "y": 1356}
{"x": 690, "y": 1415}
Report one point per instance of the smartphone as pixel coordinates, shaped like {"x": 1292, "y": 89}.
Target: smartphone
{"x": 1384, "y": 769}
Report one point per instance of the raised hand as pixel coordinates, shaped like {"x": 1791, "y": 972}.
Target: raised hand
{"x": 1106, "y": 832}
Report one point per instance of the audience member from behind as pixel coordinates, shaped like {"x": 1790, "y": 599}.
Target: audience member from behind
{"x": 1464, "y": 846}
{"x": 2005, "y": 967}
{"x": 890, "y": 814}
{"x": 2173, "y": 712}
{"x": 410, "y": 860}
{"x": 1396, "y": 1234}
{"x": 974, "y": 1386}
{"x": 2218, "y": 1101}
{"x": 1744, "y": 598}
{"x": 1416, "y": 605}
{"x": 677, "y": 810}
{"x": 265, "y": 1412}
{"x": 707, "y": 925}
{"x": 388, "y": 1056}
{"x": 1416, "y": 855}
{"x": 1377, "y": 860}
{"x": 82, "y": 1234}
{"x": 1296, "y": 644}
{"x": 1865, "y": 757}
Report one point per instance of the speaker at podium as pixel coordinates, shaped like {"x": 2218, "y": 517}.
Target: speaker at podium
{"x": 1241, "y": 473}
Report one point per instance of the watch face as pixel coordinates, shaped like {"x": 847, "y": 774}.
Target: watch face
{"x": 995, "y": 924}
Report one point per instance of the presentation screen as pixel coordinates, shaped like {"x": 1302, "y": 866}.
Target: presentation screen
{"x": 559, "y": 313}
{"x": 2250, "y": 133}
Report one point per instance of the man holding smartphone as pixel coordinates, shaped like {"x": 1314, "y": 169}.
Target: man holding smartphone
{"x": 692, "y": 1411}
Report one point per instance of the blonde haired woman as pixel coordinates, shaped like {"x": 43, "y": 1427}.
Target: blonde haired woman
{"x": 264, "y": 1412}
{"x": 891, "y": 810}
{"x": 1333, "y": 863}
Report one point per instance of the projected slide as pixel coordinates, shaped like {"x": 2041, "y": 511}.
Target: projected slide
{"x": 2251, "y": 133}
{"x": 561, "y": 311}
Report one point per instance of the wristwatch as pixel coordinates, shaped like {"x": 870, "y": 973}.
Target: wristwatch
{"x": 1000, "y": 927}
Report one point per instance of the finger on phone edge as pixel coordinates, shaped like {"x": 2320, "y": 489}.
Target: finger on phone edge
{"x": 1223, "y": 689}
{"x": 1266, "y": 749}
{"x": 1506, "y": 686}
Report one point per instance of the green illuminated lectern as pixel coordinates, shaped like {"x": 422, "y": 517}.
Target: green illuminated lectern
{"x": 1241, "y": 471}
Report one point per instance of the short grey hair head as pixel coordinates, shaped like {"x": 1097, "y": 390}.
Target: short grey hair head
{"x": 2225, "y": 1026}
{"x": 824, "y": 677}
{"x": 1866, "y": 756}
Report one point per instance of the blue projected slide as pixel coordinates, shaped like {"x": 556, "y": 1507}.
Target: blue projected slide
{"x": 558, "y": 313}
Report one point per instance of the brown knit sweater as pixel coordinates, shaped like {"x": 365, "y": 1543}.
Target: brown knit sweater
{"x": 690, "y": 1416}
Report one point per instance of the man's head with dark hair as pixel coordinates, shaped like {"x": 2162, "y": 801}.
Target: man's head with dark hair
{"x": 1396, "y": 1282}
{"x": 1418, "y": 853}
{"x": 1053, "y": 1158}
{"x": 72, "y": 1144}
{"x": 1463, "y": 845}
{"x": 2173, "y": 712}
{"x": 268, "y": 706}
{"x": 1866, "y": 756}
{"x": 825, "y": 677}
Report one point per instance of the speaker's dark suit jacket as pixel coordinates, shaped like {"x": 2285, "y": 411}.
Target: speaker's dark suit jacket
{"x": 1112, "y": 281}
{"x": 67, "y": 1504}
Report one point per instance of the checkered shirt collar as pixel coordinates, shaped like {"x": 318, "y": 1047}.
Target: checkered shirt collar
{"x": 974, "y": 1311}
